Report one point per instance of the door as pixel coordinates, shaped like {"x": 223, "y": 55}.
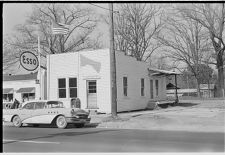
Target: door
{"x": 92, "y": 94}
{"x": 26, "y": 113}
{"x": 151, "y": 89}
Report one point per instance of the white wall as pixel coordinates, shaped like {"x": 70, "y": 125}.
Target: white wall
{"x": 71, "y": 65}
{"x": 134, "y": 70}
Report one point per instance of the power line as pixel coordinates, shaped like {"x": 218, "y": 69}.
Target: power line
{"x": 104, "y": 8}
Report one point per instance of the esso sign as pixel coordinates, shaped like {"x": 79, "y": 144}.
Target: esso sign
{"x": 29, "y": 61}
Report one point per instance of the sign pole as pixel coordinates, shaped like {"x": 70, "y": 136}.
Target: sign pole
{"x": 39, "y": 67}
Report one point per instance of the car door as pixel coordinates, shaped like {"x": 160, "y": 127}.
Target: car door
{"x": 40, "y": 114}
{"x": 26, "y": 113}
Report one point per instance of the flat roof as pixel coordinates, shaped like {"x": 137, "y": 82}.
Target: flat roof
{"x": 32, "y": 76}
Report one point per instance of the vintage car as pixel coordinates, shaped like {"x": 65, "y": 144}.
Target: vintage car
{"x": 46, "y": 112}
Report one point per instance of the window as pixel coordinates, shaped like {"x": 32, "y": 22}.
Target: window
{"x": 125, "y": 86}
{"x": 157, "y": 87}
{"x": 7, "y": 97}
{"x": 92, "y": 87}
{"x": 29, "y": 106}
{"x": 151, "y": 88}
{"x": 39, "y": 105}
{"x": 73, "y": 87}
{"x": 28, "y": 96}
{"x": 62, "y": 88}
{"x": 142, "y": 87}
{"x": 54, "y": 104}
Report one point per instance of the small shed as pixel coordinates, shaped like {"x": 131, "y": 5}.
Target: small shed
{"x": 207, "y": 90}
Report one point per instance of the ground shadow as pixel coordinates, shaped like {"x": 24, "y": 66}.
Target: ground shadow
{"x": 70, "y": 126}
{"x": 61, "y": 134}
{"x": 163, "y": 106}
{"x": 186, "y": 104}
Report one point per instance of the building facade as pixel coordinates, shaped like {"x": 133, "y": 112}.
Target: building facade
{"x": 24, "y": 87}
{"x": 86, "y": 75}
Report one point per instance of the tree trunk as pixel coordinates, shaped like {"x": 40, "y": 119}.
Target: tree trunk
{"x": 220, "y": 84}
{"x": 198, "y": 88}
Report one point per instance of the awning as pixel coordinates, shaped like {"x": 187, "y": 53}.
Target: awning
{"x": 26, "y": 90}
{"x": 7, "y": 90}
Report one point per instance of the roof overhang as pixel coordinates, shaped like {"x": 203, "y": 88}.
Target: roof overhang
{"x": 7, "y": 90}
{"x": 159, "y": 72}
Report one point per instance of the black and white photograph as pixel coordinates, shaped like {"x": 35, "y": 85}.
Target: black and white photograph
{"x": 113, "y": 77}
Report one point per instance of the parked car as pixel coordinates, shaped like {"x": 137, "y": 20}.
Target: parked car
{"x": 46, "y": 112}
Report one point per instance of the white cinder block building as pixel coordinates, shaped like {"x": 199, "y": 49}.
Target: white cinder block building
{"x": 86, "y": 75}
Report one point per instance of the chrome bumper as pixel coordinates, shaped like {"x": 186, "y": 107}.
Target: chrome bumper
{"x": 75, "y": 120}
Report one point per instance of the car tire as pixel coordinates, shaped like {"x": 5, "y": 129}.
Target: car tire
{"x": 61, "y": 122}
{"x": 17, "y": 121}
{"x": 79, "y": 125}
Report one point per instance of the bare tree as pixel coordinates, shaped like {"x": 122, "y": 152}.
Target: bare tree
{"x": 185, "y": 41}
{"x": 81, "y": 23}
{"x": 211, "y": 17}
{"x": 135, "y": 28}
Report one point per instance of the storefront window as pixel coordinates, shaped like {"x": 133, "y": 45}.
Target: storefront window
{"x": 7, "y": 97}
{"x": 28, "y": 96}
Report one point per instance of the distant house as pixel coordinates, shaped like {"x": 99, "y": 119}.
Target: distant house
{"x": 23, "y": 87}
{"x": 207, "y": 91}
{"x": 86, "y": 75}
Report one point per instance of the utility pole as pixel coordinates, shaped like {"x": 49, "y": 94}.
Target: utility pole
{"x": 112, "y": 65}
{"x": 39, "y": 67}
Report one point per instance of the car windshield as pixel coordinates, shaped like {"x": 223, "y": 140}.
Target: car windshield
{"x": 54, "y": 104}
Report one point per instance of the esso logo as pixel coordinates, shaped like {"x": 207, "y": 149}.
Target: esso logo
{"x": 29, "y": 61}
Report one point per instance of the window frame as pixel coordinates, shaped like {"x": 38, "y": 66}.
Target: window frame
{"x": 157, "y": 88}
{"x": 94, "y": 87}
{"x": 35, "y": 107}
{"x": 142, "y": 87}
{"x": 125, "y": 86}
{"x": 29, "y": 103}
{"x": 64, "y": 88}
{"x": 7, "y": 96}
{"x": 76, "y": 87}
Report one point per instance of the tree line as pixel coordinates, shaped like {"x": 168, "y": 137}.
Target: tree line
{"x": 192, "y": 34}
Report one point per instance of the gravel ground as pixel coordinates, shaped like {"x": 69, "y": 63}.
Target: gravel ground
{"x": 198, "y": 116}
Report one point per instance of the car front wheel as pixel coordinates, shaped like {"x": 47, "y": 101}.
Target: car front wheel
{"x": 17, "y": 121}
{"x": 61, "y": 122}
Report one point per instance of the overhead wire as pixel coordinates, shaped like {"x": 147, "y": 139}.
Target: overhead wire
{"x": 103, "y": 8}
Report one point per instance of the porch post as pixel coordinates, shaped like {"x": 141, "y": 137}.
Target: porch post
{"x": 177, "y": 100}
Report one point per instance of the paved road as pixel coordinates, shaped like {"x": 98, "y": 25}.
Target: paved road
{"x": 47, "y": 139}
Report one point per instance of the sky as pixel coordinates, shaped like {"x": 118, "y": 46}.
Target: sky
{"x": 16, "y": 13}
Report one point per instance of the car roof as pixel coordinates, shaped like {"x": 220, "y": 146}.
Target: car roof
{"x": 40, "y": 101}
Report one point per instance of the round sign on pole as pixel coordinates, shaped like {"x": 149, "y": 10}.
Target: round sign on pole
{"x": 29, "y": 61}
